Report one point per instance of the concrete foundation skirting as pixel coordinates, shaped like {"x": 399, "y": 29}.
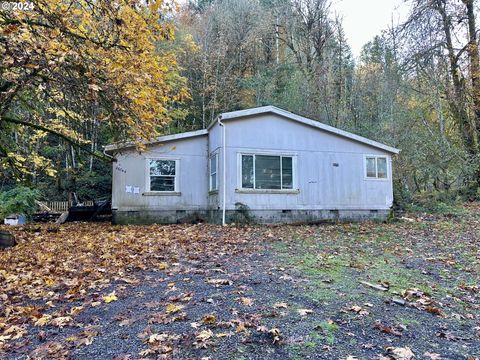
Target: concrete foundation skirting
{"x": 159, "y": 216}
{"x": 242, "y": 216}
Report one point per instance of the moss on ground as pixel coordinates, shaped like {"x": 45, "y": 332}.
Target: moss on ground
{"x": 334, "y": 259}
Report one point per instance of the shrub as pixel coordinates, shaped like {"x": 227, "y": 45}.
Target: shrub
{"x": 449, "y": 209}
{"x": 440, "y": 202}
{"x": 19, "y": 200}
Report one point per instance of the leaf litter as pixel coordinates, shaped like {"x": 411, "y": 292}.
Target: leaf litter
{"x": 193, "y": 291}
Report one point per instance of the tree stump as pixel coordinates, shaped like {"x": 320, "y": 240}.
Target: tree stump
{"x": 6, "y": 240}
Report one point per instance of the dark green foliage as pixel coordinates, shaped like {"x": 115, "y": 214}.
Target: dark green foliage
{"x": 447, "y": 203}
{"x": 242, "y": 214}
{"x": 19, "y": 200}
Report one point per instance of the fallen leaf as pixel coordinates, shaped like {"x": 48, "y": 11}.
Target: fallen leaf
{"x": 204, "y": 339}
{"x": 246, "y": 301}
{"x": 146, "y": 352}
{"x": 4, "y": 338}
{"x": 276, "y": 335}
{"x": 172, "y": 308}
{"x": 60, "y": 321}
{"x": 432, "y": 356}
{"x": 43, "y": 320}
{"x": 163, "y": 266}
{"x": 359, "y": 310}
{"x": 51, "y": 349}
{"x": 110, "y": 297}
{"x": 304, "y": 312}
{"x": 433, "y": 310}
{"x": 240, "y": 327}
{"x": 157, "y": 338}
{"x": 386, "y": 329}
{"x": 204, "y": 334}
{"x": 262, "y": 329}
{"x": 122, "y": 357}
{"x": 400, "y": 353}
{"x": 209, "y": 319}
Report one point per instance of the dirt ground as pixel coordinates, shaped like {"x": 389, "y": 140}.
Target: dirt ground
{"x": 402, "y": 290}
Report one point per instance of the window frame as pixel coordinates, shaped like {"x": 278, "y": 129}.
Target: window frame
{"x": 240, "y": 187}
{"x": 214, "y": 154}
{"x": 365, "y": 157}
{"x": 176, "y": 186}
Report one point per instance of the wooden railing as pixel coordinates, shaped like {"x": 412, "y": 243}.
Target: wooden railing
{"x": 58, "y": 206}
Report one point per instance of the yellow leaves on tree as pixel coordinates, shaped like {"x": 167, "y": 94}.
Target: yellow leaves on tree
{"x": 68, "y": 62}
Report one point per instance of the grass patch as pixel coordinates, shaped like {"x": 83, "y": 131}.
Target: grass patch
{"x": 300, "y": 351}
{"x": 327, "y": 332}
{"x": 433, "y": 256}
{"x": 327, "y": 274}
{"x": 331, "y": 272}
{"x": 324, "y": 334}
{"x": 387, "y": 269}
{"x": 406, "y": 321}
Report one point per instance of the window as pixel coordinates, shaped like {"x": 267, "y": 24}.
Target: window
{"x": 213, "y": 172}
{"x": 270, "y": 172}
{"x": 162, "y": 174}
{"x": 376, "y": 167}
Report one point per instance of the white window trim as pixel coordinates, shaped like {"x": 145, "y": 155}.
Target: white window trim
{"x": 176, "y": 190}
{"x": 376, "y": 178}
{"x": 210, "y": 171}
{"x": 294, "y": 188}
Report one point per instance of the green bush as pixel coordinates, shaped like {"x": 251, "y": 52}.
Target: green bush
{"x": 449, "y": 209}
{"x": 402, "y": 197}
{"x": 19, "y": 200}
{"x": 442, "y": 202}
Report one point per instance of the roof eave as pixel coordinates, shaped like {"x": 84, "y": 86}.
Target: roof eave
{"x": 160, "y": 139}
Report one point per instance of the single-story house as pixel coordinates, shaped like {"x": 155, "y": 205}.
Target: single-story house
{"x": 262, "y": 164}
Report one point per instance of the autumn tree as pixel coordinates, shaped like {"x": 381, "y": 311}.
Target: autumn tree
{"x": 70, "y": 66}
{"x": 444, "y": 32}
{"x": 229, "y": 37}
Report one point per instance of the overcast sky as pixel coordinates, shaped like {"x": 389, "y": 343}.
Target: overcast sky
{"x": 363, "y": 19}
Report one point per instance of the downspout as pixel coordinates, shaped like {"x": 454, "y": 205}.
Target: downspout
{"x": 112, "y": 158}
{"x": 224, "y": 168}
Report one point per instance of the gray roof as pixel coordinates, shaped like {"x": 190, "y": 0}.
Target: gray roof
{"x": 259, "y": 111}
{"x": 303, "y": 120}
{"x": 159, "y": 139}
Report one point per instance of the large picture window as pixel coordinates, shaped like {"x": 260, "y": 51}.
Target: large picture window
{"x": 162, "y": 174}
{"x": 376, "y": 167}
{"x": 269, "y": 172}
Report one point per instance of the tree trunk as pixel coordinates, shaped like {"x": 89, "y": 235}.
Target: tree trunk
{"x": 473, "y": 55}
{"x": 458, "y": 104}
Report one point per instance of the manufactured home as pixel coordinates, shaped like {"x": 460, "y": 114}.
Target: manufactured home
{"x": 265, "y": 165}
